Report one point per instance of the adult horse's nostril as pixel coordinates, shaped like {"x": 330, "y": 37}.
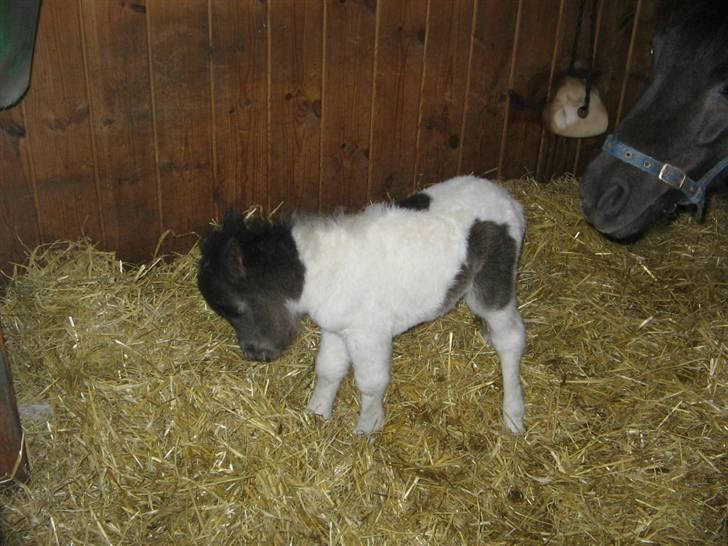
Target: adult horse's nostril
{"x": 614, "y": 199}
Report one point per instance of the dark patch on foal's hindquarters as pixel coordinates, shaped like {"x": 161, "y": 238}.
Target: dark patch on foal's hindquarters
{"x": 416, "y": 201}
{"x": 459, "y": 286}
{"x": 495, "y": 280}
{"x": 490, "y": 266}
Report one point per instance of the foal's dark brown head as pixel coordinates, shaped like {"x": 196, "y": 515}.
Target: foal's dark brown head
{"x": 249, "y": 270}
{"x": 681, "y": 119}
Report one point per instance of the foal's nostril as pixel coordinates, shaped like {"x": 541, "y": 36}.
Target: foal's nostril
{"x": 614, "y": 199}
{"x": 250, "y": 352}
{"x": 257, "y": 354}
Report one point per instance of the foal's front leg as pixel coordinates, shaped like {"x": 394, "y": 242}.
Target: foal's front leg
{"x": 371, "y": 354}
{"x": 332, "y": 364}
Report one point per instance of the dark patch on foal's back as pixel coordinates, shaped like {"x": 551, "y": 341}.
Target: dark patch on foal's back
{"x": 416, "y": 201}
{"x": 490, "y": 266}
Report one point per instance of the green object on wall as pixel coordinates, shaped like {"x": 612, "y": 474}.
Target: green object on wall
{"x": 18, "y": 26}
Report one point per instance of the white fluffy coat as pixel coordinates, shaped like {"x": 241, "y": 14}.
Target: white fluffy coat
{"x": 372, "y": 275}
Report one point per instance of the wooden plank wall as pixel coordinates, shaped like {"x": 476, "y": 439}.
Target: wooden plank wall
{"x": 152, "y": 115}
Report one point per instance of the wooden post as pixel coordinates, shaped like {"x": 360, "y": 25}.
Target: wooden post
{"x": 13, "y": 458}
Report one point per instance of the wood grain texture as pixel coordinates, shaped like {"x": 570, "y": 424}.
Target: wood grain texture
{"x": 347, "y": 101}
{"x": 556, "y": 153}
{"x": 398, "y": 76}
{"x": 615, "y": 29}
{"x": 640, "y": 62}
{"x": 121, "y": 103}
{"x": 447, "y": 56}
{"x": 144, "y": 116}
{"x": 240, "y": 103}
{"x": 58, "y": 129}
{"x": 490, "y": 67}
{"x": 181, "y": 96}
{"x": 18, "y": 222}
{"x": 296, "y": 64}
{"x": 531, "y": 70}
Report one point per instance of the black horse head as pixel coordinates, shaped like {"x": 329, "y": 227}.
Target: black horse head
{"x": 680, "y": 119}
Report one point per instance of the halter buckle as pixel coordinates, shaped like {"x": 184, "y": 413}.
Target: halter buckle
{"x": 672, "y": 176}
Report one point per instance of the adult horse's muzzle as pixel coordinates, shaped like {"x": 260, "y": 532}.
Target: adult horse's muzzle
{"x": 693, "y": 191}
{"x": 615, "y": 213}
{"x": 620, "y": 203}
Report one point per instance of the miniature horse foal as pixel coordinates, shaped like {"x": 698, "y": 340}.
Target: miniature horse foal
{"x": 367, "y": 277}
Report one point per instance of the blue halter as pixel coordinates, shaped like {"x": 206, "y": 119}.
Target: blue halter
{"x": 693, "y": 191}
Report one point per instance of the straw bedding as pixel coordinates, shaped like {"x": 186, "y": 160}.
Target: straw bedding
{"x": 161, "y": 433}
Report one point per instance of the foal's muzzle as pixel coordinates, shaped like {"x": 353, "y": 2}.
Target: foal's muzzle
{"x": 258, "y": 354}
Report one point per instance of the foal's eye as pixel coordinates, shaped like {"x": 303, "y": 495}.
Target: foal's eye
{"x": 724, "y": 90}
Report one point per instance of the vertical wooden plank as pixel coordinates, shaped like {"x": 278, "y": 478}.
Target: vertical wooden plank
{"x": 640, "y": 60}
{"x": 18, "y": 222}
{"x": 239, "y": 107}
{"x": 347, "y": 101}
{"x": 615, "y": 29}
{"x": 488, "y": 93}
{"x": 296, "y": 51}
{"x": 13, "y": 457}
{"x": 450, "y": 24}
{"x": 534, "y": 51}
{"x": 179, "y": 44}
{"x": 57, "y": 121}
{"x": 398, "y": 76}
{"x": 557, "y": 153}
{"x": 116, "y": 52}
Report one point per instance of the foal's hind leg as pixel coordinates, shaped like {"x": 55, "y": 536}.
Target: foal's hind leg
{"x": 508, "y": 335}
{"x": 493, "y": 252}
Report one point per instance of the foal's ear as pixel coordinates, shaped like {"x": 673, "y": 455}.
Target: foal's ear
{"x": 233, "y": 260}
{"x": 232, "y": 222}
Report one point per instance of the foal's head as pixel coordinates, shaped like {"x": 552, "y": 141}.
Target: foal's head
{"x": 249, "y": 273}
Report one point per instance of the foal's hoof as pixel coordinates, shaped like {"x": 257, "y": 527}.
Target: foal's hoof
{"x": 369, "y": 423}
{"x": 514, "y": 423}
{"x": 321, "y": 411}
